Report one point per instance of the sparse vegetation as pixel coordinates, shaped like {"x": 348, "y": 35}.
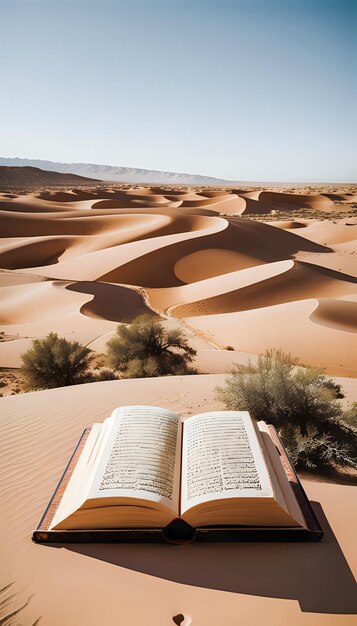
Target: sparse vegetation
{"x": 104, "y": 373}
{"x": 350, "y": 415}
{"x": 145, "y": 348}
{"x": 302, "y": 403}
{"x": 55, "y": 362}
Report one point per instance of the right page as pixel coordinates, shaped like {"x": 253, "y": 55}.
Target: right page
{"x": 225, "y": 474}
{"x": 221, "y": 458}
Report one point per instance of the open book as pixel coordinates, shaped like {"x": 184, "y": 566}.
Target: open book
{"x": 144, "y": 467}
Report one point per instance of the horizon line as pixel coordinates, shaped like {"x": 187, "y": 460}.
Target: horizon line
{"x": 222, "y": 180}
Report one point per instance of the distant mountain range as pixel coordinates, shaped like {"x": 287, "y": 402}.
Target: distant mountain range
{"x": 115, "y": 174}
{"x": 34, "y": 177}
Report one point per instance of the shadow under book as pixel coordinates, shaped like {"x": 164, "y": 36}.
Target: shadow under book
{"x": 144, "y": 475}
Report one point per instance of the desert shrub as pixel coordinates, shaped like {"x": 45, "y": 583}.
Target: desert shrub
{"x": 145, "y": 348}
{"x": 302, "y": 403}
{"x": 313, "y": 448}
{"x": 350, "y": 415}
{"x": 99, "y": 361}
{"x": 104, "y": 373}
{"x": 55, "y": 362}
{"x": 228, "y": 348}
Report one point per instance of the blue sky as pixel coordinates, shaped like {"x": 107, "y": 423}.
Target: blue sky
{"x": 242, "y": 90}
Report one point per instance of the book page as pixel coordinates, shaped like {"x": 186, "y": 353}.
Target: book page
{"x": 222, "y": 459}
{"x": 142, "y": 457}
{"x": 79, "y": 484}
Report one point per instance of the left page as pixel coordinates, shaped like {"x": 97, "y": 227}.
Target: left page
{"x": 128, "y": 472}
{"x": 141, "y": 458}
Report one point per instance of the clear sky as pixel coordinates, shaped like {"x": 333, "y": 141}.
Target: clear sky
{"x": 242, "y": 90}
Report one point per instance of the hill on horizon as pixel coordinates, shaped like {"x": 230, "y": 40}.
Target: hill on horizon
{"x": 27, "y": 176}
{"x": 113, "y": 173}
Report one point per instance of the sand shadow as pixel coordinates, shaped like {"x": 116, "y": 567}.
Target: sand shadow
{"x": 111, "y": 302}
{"x": 317, "y": 575}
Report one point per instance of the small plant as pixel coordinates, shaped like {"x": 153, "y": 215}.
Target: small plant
{"x": 302, "y": 403}
{"x": 104, "y": 373}
{"x": 315, "y": 448}
{"x": 350, "y": 415}
{"x": 55, "y": 362}
{"x": 228, "y": 348}
{"x": 145, "y": 348}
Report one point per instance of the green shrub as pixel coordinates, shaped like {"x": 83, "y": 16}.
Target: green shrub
{"x": 302, "y": 403}
{"x": 55, "y": 362}
{"x": 145, "y": 348}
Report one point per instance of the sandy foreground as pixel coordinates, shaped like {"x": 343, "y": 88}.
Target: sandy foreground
{"x": 136, "y": 585}
{"x": 250, "y": 269}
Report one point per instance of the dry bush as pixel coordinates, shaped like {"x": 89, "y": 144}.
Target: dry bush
{"x": 55, "y": 362}
{"x": 145, "y": 348}
{"x": 104, "y": 373}
{"x": 302, "y": 403}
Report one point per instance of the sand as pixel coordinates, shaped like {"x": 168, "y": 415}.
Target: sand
{"x": 246, "y": 268}
{"x": 276, "y": 584}
{"x": 78, "y": 262}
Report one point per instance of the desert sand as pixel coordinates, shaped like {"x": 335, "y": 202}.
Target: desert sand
{"x": 247, "y": 268}
{"x": 270, "y": 584}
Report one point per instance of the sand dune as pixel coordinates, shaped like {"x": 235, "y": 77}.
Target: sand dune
{"x": 79, "y": 261}
{"x": 292, "y": 225}
{"x": 217, "y": 286}
{"x": 111, "y": 302}
{"x": 229, "y": 204}
{"x": 267, "y": 201}
{"x": 338, "y": 314}
{"x": 328, "y": 233}
{"x": 54, "y": 299}
{"x": 37, "y": 302}
{"x": 287, "y": 326}
{"x": 299, "y": 282}
{"x": 238, "y": 244}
